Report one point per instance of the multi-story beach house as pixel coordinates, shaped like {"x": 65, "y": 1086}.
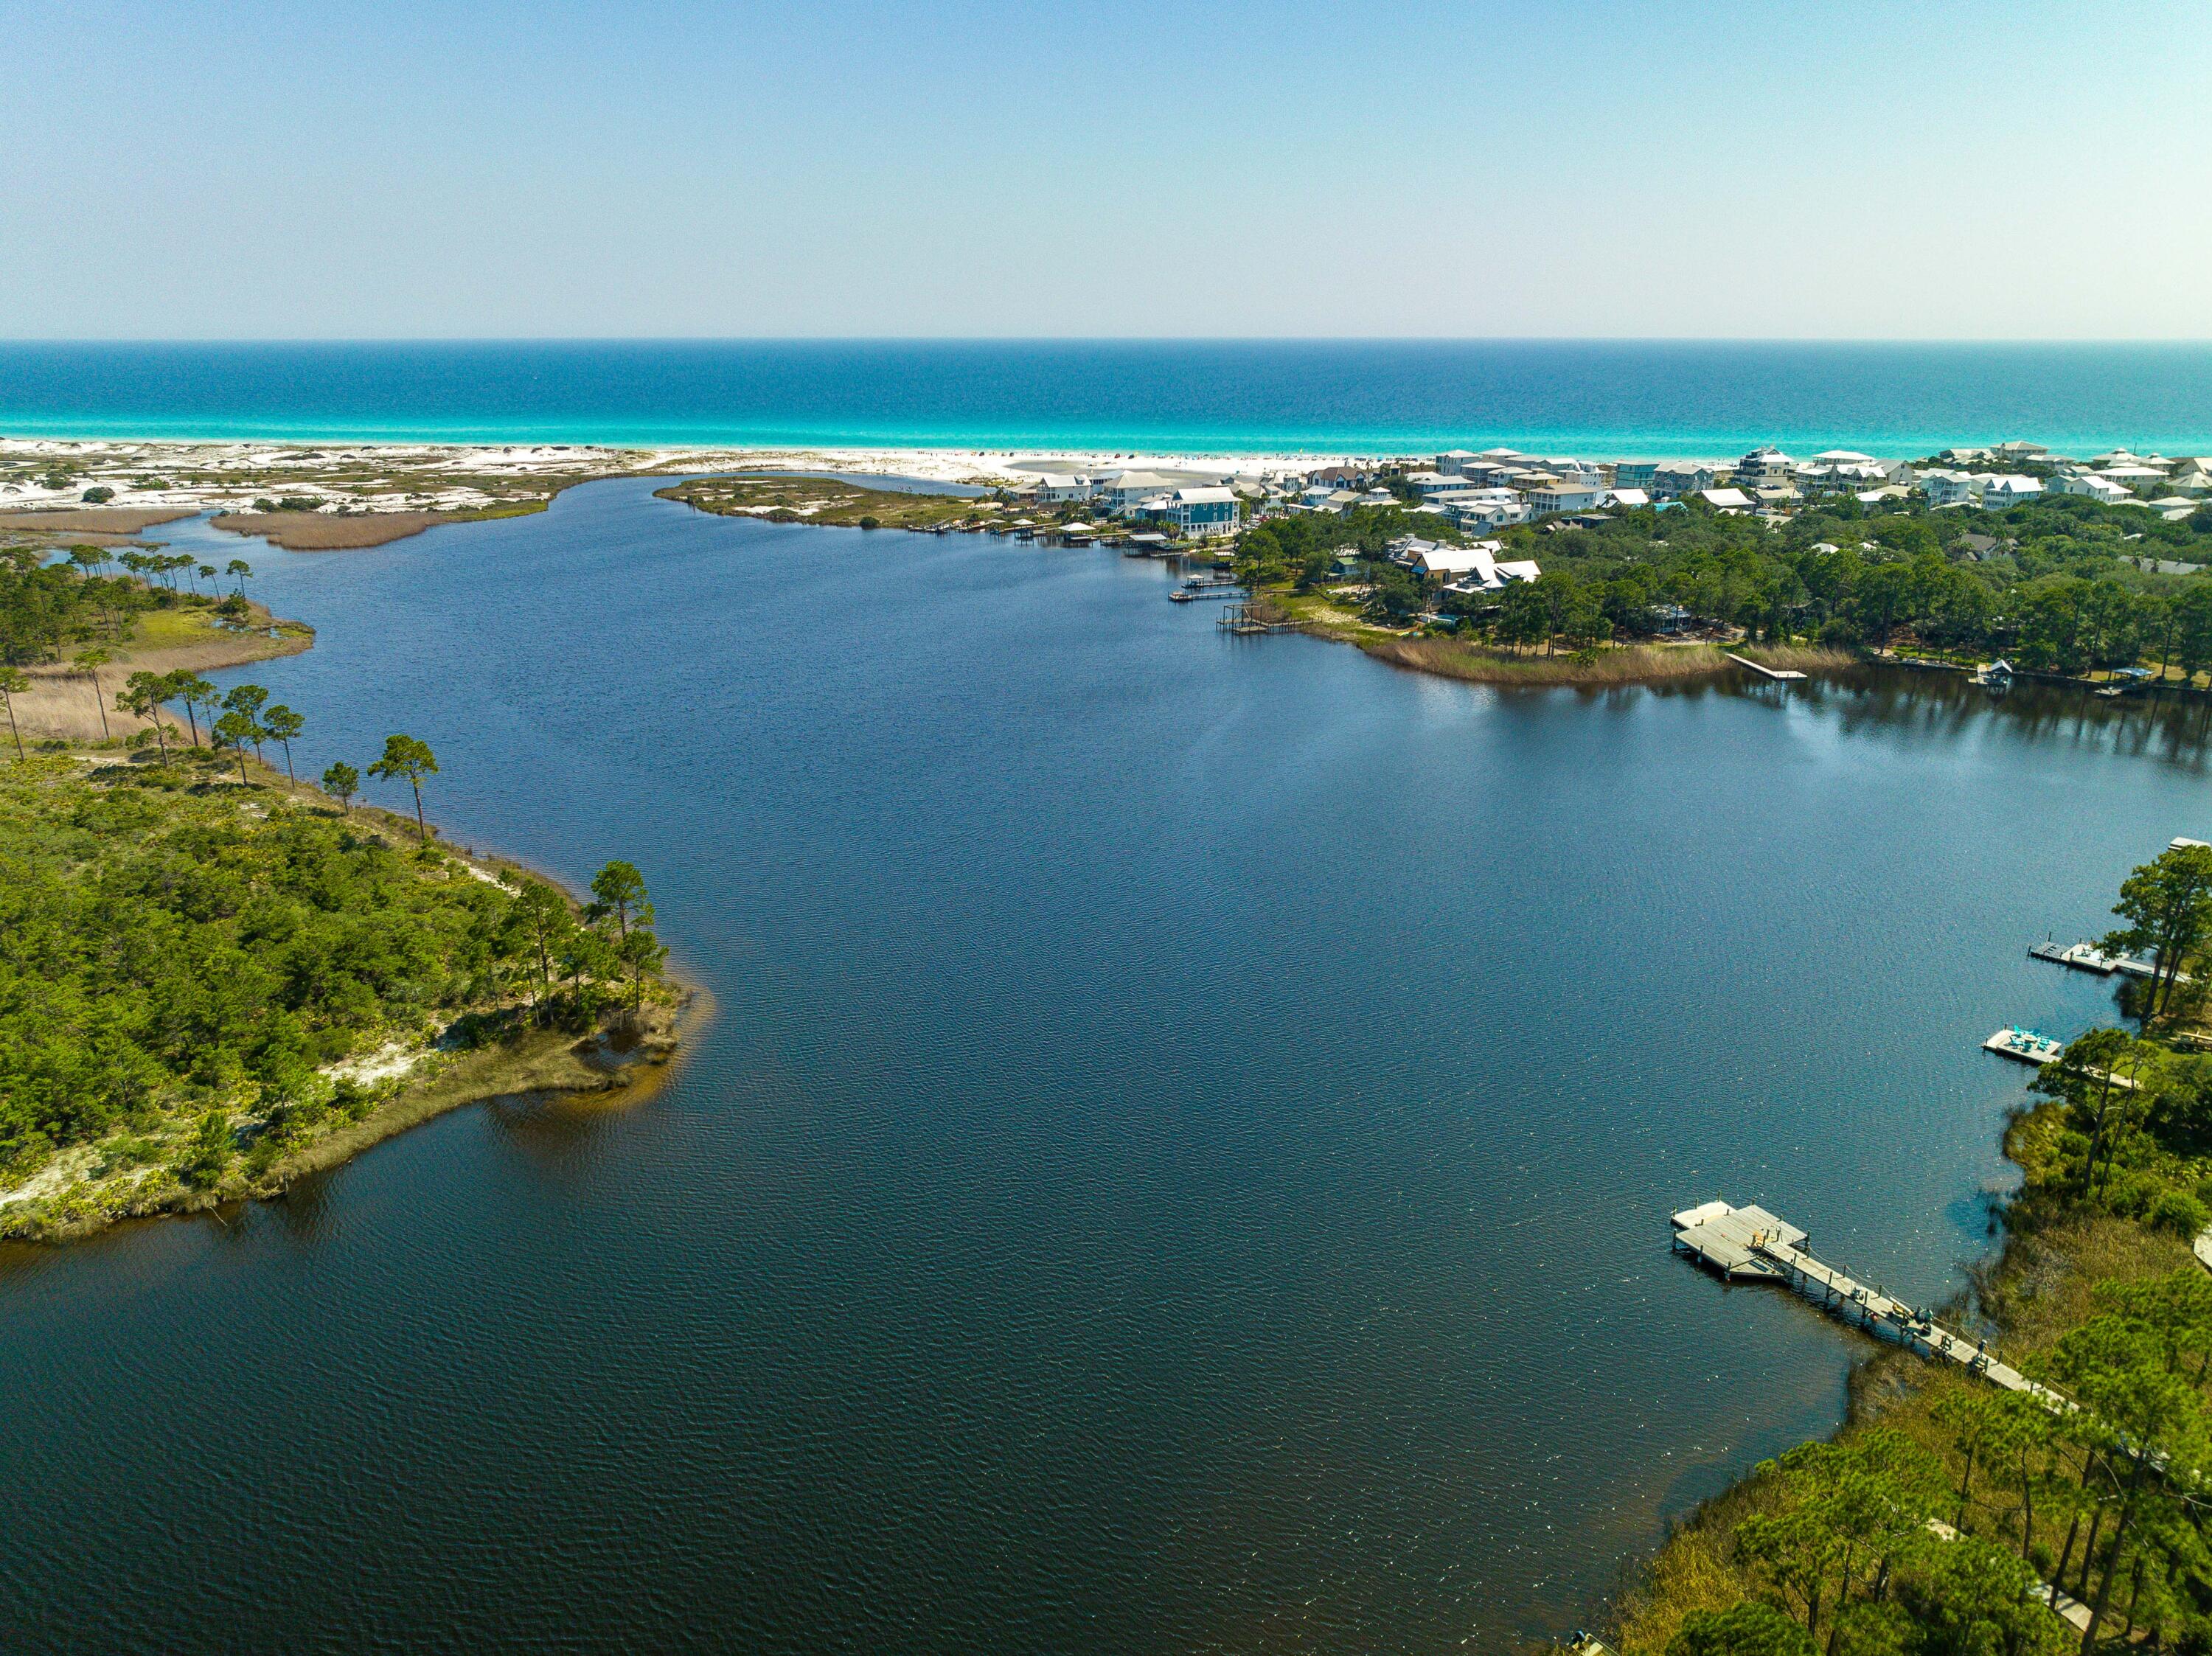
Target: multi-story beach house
{"x": 1200, "y": 513}
{"x": 1671, "y": 479}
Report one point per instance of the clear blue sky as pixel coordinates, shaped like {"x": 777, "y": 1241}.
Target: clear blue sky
{"x": 182, "y": 169}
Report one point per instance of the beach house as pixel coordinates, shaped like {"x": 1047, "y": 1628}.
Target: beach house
{"x": 1563, "y": 495}
{"x": 1998, "y": 492}
{"x": 1671, "y": 479}
{"x": 1200, "y": 513}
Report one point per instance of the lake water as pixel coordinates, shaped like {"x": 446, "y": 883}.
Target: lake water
{"x": 1182, "y": 1159}
{"x": 1602, "y": 398}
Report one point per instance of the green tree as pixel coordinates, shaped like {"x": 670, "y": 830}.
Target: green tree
{"x": 13, "y": 683}
{"x": 2086, "y": 1076}
{"x": 2167, "y": 906}
{"x": 408, "y": 759}
{"x": 236, "y": 731}
{"x": 541, "y": 920}
{"x": 2192, "y": 625}
{"x": 1750, "y": 1629}
{"x": 640, "y": 952}
{"x": 209, "y": 1152}
{"x": 2138, "y": 1416}
{"x": 280, "y": 724}
{"x": 620, "y": 891}
{"x": 88, "y": 664}
{"x": 195, "y": 693}
{"x": 242, "y": 570}
{"x": 142, "y": 694}
{"x": 342, "y": 781}
{"x": 249, "y": 699}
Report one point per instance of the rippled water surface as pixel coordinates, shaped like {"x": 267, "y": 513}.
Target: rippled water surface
{"x": 1181, "y": 1162}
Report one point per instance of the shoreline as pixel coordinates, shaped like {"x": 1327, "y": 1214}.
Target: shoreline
{"x": 619, "y": 1055}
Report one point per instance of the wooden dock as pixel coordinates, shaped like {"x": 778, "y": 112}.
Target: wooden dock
{"x": 1751, "y": 1244}
{"x": 1784, "y": 673}
{"x": 2087, "y": 957}
{"x": 2028, "y": 1046}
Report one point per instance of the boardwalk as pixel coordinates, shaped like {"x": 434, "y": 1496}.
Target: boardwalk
{"x": 1750, "y": 1243}
{"x": 1784, "y": 673}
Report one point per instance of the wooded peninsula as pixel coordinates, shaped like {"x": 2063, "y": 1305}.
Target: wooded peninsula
{"x": 216, "y": 977}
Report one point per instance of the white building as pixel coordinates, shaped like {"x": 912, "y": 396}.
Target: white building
{"x": 1998, "y": 492}
{"x": 1947, "y": 488}
{"x": 1053, "y": 487}
{"x": 1565, "y": 496}
{"x": 1487, "y": 574}
{"x": 1725, "y": 500}
{"x": 1128, "y": 490}
{"x": 1764, "y": 465}
{"x": 1628, "y": 498}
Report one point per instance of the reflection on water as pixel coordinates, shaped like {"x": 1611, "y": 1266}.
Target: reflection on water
{"x": 1183, "y": 1160}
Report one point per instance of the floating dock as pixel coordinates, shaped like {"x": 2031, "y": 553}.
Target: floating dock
{"x": 2087, "y": 957}
{"x": 2028, "y": 1046}
{"x": 1772, "y": 672}
{"x": 1751, "y": 1244}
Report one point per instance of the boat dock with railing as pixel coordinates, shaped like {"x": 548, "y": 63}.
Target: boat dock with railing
{"x": 1750, "y": 1244}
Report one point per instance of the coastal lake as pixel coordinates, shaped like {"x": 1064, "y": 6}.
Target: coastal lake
{"x": 1181, "y": 1159}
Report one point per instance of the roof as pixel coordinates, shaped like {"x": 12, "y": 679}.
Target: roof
{"x": 1203, "y": 496}
{"x": 1630, "y": 497}
{"x": 1844, "y": 456}
{"x": 1725, "y": 498}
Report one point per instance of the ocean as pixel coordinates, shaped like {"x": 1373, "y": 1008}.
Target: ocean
{"x": 1601, "y": 400}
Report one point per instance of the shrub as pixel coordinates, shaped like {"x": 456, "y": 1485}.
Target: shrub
{"x": 2178, "y": 1212}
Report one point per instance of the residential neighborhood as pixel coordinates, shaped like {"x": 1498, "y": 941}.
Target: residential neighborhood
{"x": 1500, "y": 487}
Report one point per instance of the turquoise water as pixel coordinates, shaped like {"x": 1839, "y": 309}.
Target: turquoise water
{"x": 1181, "y": 1161}
{"x": 1650, "y": 398}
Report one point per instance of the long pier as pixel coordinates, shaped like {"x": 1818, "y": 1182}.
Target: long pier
{"x": 1784, "y": 673}
{"x": 1751, "y": 1244}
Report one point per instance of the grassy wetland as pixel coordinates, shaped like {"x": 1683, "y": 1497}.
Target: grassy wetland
{"x": 834, "y": 501}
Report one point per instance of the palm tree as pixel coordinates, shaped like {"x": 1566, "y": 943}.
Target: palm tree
{"x": 243, "y": 570}
{"x": 410, "y": 758}
{"x": 206, "y": 573}
{"x": 89, "y": 662}
{"x": 280, "y": 724}
{"x": 12, "y": 684}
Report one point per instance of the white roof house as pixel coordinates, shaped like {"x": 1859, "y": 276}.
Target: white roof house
{"x": 2095, "y": 488}
{"x": 1725, "y": 500}
{"x": 1484, "y": 573}
{"x": 1844, "y": 456}
{"x": 1998, "y": 492}
{"x": 1629, "y": 497}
